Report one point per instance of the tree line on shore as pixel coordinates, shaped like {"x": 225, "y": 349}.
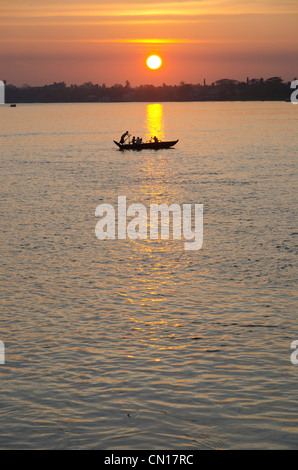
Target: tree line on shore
{"x": 271, "y": 89}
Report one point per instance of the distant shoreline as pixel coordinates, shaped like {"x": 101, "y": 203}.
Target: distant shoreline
{"x": 150, "y": 101}
{"x": 272, "y": 89}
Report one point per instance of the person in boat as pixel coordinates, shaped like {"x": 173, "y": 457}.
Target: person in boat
{"x": 133, "y": 140}
{"x": 138, "y": 141}
{"x": 122, "y": 140}
{"x": 155, "y": 139}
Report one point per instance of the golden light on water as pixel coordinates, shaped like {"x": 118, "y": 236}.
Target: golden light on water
{"x": 154, "y": 121}
{"x": 153, "y": 264}
{"x": 153, "y": 267}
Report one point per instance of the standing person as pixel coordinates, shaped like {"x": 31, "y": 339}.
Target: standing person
{"x": 122, "y": 140}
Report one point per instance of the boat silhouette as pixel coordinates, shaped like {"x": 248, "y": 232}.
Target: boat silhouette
{"x": 155, "y": 145}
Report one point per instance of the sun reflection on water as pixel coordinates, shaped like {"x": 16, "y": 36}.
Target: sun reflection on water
{"x": 154, "y": 121}
{"x": 154, "y": 267}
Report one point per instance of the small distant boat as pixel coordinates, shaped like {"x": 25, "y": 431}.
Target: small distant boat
{"x": 147, "y": 145}
{"x": 13, "y": 105}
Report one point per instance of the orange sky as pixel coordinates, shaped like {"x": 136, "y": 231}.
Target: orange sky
{"x": 108, "y": 41}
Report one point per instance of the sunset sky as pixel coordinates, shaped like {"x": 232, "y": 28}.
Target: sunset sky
{"x": 109, "y": 41}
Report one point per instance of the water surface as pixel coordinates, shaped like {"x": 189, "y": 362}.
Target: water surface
{"x": 123, "y": 344}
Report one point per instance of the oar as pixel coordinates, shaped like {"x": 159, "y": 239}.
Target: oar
{"x": 127, "y": 137}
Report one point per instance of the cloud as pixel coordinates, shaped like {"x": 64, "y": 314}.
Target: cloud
{"x": 111, "y": 9}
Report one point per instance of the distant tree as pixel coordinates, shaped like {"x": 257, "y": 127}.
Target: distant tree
{"x": 274, "y": 81}
{"x": 254, "y": 81}
{"x": 226, "y": 82}
{"x": 88, "y": 85}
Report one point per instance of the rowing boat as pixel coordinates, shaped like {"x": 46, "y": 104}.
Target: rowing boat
{"x": 147, "y": 145}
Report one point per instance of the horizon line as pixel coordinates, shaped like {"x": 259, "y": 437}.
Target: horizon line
{"x": 181, "y": 83}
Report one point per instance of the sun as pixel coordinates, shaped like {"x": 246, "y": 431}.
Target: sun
{"x": 154, "y": 62}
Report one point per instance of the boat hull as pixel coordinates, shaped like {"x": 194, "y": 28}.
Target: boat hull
{"x": 147, "y": 145}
